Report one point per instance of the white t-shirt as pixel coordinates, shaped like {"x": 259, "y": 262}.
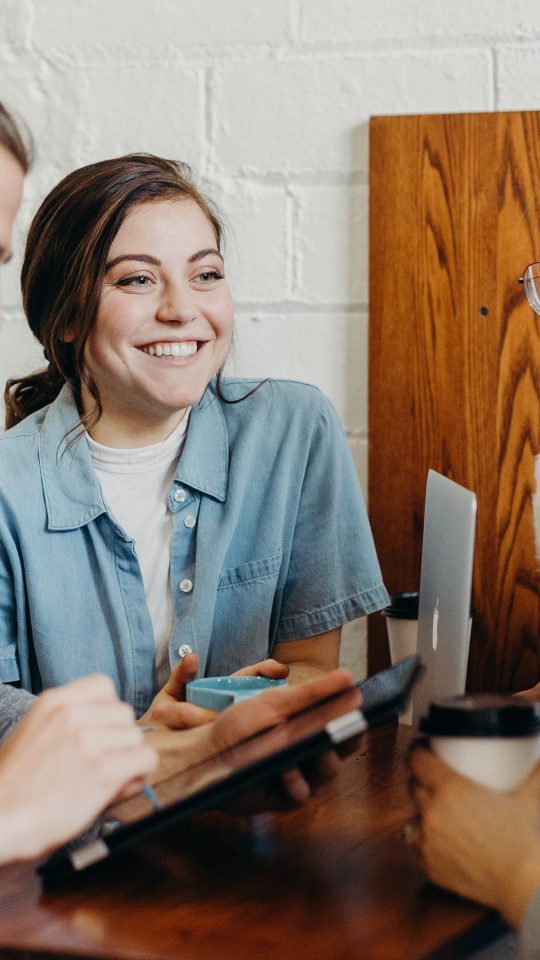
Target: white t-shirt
{"x": 135, "y": 484}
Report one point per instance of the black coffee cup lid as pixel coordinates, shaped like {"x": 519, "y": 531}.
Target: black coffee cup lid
{"x": 403, "y": 606}
{"x": 482, "y": 715}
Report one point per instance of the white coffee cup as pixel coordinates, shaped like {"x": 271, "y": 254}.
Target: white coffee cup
{"x": 402, "y": 625}
{"x": 490, "y": 738}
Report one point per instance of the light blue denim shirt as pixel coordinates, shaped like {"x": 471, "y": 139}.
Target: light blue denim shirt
{"x": 281, "y": 546}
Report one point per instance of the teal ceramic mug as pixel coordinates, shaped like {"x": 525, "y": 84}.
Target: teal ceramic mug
{"x": 216, "y": 693}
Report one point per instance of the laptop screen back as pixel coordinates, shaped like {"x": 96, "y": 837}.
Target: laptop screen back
{"x": 445, "y": 591}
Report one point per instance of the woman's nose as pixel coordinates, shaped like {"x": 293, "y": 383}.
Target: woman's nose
{"x": 176, "y": 306}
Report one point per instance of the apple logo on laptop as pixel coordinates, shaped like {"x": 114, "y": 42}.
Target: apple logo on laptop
{"x": 435, "y": 626}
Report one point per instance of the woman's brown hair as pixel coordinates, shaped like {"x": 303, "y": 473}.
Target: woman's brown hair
{"x": 64, "y": 265}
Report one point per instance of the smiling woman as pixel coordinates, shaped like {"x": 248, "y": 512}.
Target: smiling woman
{"x": 155, "y": 517}
{"x": 163, "y": 327}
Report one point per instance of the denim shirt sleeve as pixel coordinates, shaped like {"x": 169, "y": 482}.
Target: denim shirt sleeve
{"x": 333, "y": 572}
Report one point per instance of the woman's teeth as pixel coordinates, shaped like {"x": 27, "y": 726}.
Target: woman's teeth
{"x": 184, "y": 349}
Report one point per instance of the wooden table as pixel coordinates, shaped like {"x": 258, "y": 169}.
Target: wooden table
{"x": 332, "y": 881}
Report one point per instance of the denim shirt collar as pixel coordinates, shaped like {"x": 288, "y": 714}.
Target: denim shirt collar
{"x": 204, "y": 464}
{"x": 71, "y": 488}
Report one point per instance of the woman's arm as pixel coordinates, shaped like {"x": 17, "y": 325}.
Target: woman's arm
{"x": 332, "y": 575}
{"x": 309, "y": 657}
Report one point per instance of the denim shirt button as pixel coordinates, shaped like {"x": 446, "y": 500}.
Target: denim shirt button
{"x": 184, "y": 650}
{"x": 190, "y": 521}
{"x": 180, "y": 495}
{"x": 186, "y": 586}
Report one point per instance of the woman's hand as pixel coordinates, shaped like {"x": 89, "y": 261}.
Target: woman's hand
{"x": 182, "y": 748}
{"x": 533, "y": 693}
{"x": 477, "y": 842}
{"x": 169, "y": 707}
{"x": 77, "y": 747}
{"x": 265, "y": 668}
{"x": 267, "y": 709}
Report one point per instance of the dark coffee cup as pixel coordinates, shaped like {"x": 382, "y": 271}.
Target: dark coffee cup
{"x": 490, "y": 738}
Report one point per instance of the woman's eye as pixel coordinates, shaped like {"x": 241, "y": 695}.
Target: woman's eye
{"x": 208, "y": 276}
{"x": 140, "y": 280}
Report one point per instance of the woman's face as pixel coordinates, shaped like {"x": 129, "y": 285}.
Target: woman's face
{"x": 164, "y": 322}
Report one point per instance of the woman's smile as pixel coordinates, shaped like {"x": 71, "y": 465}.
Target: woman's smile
{"x": 176, "y": 348}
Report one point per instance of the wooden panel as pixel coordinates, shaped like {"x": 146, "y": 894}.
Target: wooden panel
{"x": 455, "y": 363}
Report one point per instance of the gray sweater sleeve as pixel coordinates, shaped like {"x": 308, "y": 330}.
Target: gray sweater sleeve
{"x": 13, "y": 705}
{"x": 530, "y": 931}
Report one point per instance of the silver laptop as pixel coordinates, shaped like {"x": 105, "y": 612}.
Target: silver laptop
{"x": 445, "y": 591}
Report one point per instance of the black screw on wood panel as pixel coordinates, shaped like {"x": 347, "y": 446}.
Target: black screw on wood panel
{"x": 484, "y": 311}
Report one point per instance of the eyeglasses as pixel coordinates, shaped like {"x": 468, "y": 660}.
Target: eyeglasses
{"x": 531, "y": 284}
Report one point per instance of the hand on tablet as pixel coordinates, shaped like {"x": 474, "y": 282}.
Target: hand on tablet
{"x": 268, "y": 709}
{"x": 76, "y": 749}
{"x": 179, "y": 749}
{"x": 169, "y": 707}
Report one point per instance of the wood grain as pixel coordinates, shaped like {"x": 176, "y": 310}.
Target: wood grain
{"x": 331, "y": 881}
{"x": 455, "y": 363}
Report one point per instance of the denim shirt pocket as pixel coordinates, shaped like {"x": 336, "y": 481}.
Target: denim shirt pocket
{"x": 254, "y": 571}
{"x": 244, "y": 602}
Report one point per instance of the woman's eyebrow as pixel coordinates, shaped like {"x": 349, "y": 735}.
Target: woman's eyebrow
{"x": 204, "y": 253}
{"x": 143, "y": 257}
{"x": 146, "y": 258}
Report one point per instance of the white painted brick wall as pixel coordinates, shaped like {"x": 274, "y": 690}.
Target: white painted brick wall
{"x": 382, "y": 21}
{"x": 256, "y": 216}
{"x": 303, "y": 346}
{"x": 270, "y": 102}
{"x": 114, "y": 24}
{"x": 518, "y": 77}
{"x": 331, "y": 241}
{"x": 315, "y": 103}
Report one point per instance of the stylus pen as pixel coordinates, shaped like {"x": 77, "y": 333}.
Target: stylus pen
{"x": 150, "y": 795}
